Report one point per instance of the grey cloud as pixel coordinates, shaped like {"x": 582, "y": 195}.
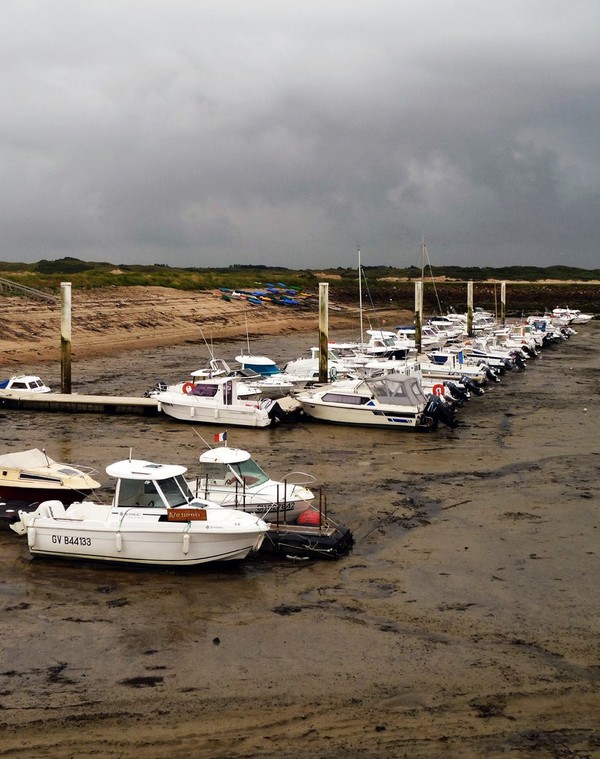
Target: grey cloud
{"x": 204, "y": 133}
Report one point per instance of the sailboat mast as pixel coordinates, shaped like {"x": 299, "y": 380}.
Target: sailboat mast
{"x": 423, "y": 257}
{"x": 360, "y": 305}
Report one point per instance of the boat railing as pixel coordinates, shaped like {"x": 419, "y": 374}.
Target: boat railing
{"x": 308, "y": 480}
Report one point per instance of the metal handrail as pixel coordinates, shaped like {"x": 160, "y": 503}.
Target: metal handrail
{"x": 7, "y": 283}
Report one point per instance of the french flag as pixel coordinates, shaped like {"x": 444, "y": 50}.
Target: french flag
{"x": 221, "y": 437}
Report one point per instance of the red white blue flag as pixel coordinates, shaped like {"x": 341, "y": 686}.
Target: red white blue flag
{"x": 221, "y": 437}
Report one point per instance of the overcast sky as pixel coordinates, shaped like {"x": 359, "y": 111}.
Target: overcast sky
{"x": 201, "y": 133}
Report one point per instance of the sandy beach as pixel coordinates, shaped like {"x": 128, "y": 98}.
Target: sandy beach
{"x": 107, "y": 321}
{"x": 465, "y": 623}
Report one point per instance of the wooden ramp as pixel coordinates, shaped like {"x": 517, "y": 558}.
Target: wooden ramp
{"x": 74, "y": 403}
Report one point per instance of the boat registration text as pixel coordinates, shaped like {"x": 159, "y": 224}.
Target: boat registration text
{"x": 69, "y": 540}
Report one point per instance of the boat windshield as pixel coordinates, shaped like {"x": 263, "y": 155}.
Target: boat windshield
{"x": 171, "y": 492}
{"x": 176, "y": 491}
{"x": 397, "y": 390}
{"x": 247, "y": 472}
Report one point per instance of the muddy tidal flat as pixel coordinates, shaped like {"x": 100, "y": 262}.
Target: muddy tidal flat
{"x": 465, "y": 623}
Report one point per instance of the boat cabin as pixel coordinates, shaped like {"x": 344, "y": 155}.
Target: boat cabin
{"x": 230, "y": 466}
{"x": 142, "y": 483}
{"x": 25, "y": 383}
{"x": 389, "y": 389}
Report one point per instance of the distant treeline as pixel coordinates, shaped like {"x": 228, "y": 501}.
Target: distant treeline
{"x": 533, "y": 288}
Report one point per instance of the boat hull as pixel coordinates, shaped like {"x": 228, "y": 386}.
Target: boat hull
{"x": 269, "y": 511}
{"x": 363, "y": 417}
{"x": 174, "y": 545}
{"x": 248, "y": 416}
{"x": 24, "y": 494}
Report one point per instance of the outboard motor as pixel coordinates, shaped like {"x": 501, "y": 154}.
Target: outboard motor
{"x": 277, "y": 413}
{"x": 160, "y": 387}
{"x": 459, "y": 394}
{"x": 490, "y": 373}
{"x": 441, "y": 412}
{"x": 518, "y": 359}
{"x": 529, "y": 351}
{"x": 472, "y": 386}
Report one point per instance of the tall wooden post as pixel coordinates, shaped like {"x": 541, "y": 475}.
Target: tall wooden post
{"x": 323, "y": 331}
{"x": 503, "y": 303}
{"x": 418, "y": 314}
{"x": 470, "y": 309}
{"x": 65, "y": 337}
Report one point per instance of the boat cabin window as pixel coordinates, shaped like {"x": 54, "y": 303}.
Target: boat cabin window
{"x": 33, "y": 477}
{"x": 400, "y": 392}
{"x": 346, "y": 399}
{"x": 247, "y": 471}
{"x": 138, "y": 493}
{"x": 205, "y": 391}
{"x": 214, "y": 473}
{"x": 176, "y": 491}
{"x": 173, "y": 491}
{"x": 20, "y": 386}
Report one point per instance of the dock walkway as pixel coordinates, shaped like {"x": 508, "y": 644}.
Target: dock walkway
{"x": 74, "y": 403}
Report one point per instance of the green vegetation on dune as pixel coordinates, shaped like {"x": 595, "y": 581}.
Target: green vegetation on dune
{"x": 531, "y": 288}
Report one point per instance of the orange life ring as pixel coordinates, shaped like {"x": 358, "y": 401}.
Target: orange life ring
{"x": 439, "y": 389}
{"x": 187, "y": 387}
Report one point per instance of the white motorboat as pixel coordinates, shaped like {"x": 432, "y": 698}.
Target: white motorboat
{"x": 489, "y": 351}
{"x": 391, "y": 400}
{"x": 153, "y": 519}
{"x": 572, "y": 315}
{"x": 214, "y": 401}
{"x": 231, "y": 477}
{"x": 25, "y": 383}
{"x": 429, "y": 337}
{"x": 30, "y": 476}
{"x": 261, "y": 364}
{"x": 266, "y": 375}
{"x": 344, "y": 361}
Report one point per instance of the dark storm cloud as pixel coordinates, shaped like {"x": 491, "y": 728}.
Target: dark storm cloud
{"x": 266, "y": 132}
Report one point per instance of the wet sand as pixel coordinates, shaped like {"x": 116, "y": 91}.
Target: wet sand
{"x": 464, "y": 623}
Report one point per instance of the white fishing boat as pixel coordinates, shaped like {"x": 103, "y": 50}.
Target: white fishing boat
{"x": 30, "y": 476}
{"x": 266, "y": 375}
{"x": 231, "y": 477}
{"x": 392, "y": 400}
{"x": 25, "y": 383}
{"x": 153, "y": 519}
{"x": 572, "y": 315}
{"x": 214, "y": 401}
{"x": 247, "y": 389}
{"x": 260, "y": 364}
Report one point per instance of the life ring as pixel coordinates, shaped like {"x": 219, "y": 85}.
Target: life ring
{"x": 187, "y": 387}
{"x": 438, "y": 389}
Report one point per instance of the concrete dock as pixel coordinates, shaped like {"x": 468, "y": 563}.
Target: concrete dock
{"x": 74, "y": 403}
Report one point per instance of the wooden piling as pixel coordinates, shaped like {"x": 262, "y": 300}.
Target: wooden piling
{"x": 323, "y": 331}
{"x": 470, "y": 308}
{"x": 65, "y": 337}
{"x": 418, "y": 314}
